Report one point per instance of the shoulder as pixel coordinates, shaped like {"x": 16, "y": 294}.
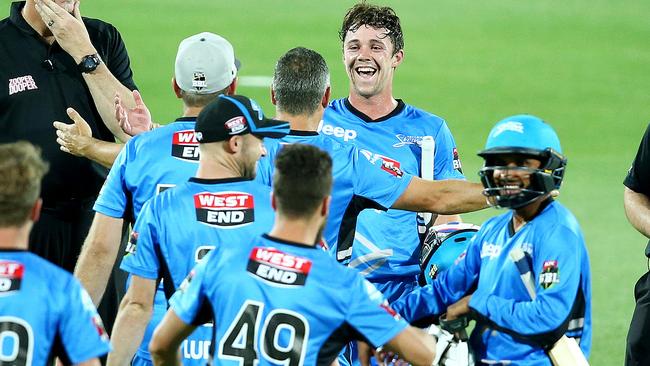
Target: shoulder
{"x": 336, "y": 106}
{"x": 560, "y": 223}
{"x": 99, "y": 28}
{"x": 424, "y": 117}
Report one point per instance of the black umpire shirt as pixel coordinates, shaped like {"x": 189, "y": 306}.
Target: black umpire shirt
{"x": 638, "y": 177}
{"x": 39, "y": 81}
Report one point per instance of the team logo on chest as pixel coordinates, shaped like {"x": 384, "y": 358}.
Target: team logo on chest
{"x": 277, "y": 267}
{"x": 21, "y": 83}
{"x": 225, "y": 209}
{"x": 407, "y": 140}
{"x": 11, "y": 276}
{"x": 185, "y": 146}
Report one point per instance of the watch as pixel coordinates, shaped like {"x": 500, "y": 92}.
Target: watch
{"x": 89, "y": 63}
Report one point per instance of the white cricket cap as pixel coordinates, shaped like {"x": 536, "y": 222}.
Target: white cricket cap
{"x": 205, "y": 63}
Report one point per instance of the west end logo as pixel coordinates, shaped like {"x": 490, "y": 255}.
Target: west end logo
{"x": 224, "y": 209}
{"x": 236, "y": 125}
{"x": 185, "y": 145}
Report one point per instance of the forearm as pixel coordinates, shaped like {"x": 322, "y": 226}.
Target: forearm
{"x": 414, "y": 346}
{"x": 102, "y": 152}
{"x": 128, "y": 332}
{"x": 103, "y": 86}
{"x": 447, "y": 197}
{"x": 637, "y": 210}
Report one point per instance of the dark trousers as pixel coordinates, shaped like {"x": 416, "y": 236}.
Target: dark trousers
{"x": 58, "y": 237}
{"x": 637, "y": 352}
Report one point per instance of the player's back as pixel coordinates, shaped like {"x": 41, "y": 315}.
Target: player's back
{"x": 44, "y": 312}
{"x": 281, "y": 302}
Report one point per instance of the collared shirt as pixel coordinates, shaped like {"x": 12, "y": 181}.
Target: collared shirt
{"x": 40, "y": 82}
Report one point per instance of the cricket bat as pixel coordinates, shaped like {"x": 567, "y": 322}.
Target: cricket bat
{"x": 566, "y": 351}
{"x": 428, "y": 146}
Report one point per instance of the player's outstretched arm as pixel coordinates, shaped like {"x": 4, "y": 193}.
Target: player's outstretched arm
{"x": 132, "y": 319}
{"x": 637, "y": 210}
{"x": 98, "y": 255}
{"x": 443, "y": 196}
{"x": 167, "y": 339}
{"x": 413, "y": 346}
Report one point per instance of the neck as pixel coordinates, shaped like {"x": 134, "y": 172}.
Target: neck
{"x": 375, "y": 106}
{"x": 213, "y": 166}
{"x": 305, "y": 231}
{"x": 35, "y": 21}
{"x": 14, "y": 238}
{"x": 525, "y": 214}
{"x": 191, "y": 111}
{"x": 301, "y": 122}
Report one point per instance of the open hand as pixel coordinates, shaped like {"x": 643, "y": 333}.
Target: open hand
{"x": 74, "y": 138}
{"x": 135, "y": 120}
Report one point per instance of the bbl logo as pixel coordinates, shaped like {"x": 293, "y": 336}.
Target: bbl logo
{"x": 198, "y": 80}
{"x": 224, "y": 209}
{"x": 550, "y": 274}
{"x": 185, "y": 145}
{"x": 277, "y": 267}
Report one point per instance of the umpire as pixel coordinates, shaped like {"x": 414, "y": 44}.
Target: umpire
{"x": 51, "y": 59}
{"x": 636, "y": 200}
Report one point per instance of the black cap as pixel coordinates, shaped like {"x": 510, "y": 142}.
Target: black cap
{"x": 231, "y": 115}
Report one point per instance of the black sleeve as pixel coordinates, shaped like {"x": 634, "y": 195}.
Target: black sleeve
{"x": 638, "y": 177}
{"x": 116, "y": 57}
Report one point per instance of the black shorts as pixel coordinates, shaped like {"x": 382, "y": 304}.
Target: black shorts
{"x": 58, "y": 236}
{"x": 637, "y": 350}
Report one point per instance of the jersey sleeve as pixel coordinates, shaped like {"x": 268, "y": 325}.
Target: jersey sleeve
{"x": 377, "y": 182}
{"x": 190, "y": 302}
{"x": 142, "y": 257}
{"x": 557, "y": 269}
{"x": 117, "y": 60}
{"x": 448, "y": 287}
{"x": 81, "y": 331}
{"x": 370, "y": 315}
{"x": 112, "y": 200}
{"x": 638, "y": 177}
{"x": 446, "y": 159}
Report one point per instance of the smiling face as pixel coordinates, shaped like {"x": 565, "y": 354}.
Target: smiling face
{"x": 370, "y": 61}
{"x": 515, "y": 174}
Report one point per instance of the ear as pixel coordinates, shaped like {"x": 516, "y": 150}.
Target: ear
{"x": 398, "y": 58}
{"x": 326, "y": 97}
{"x": 232, "y": 88}
{"x": 234, "y": 144}
{"x": 35, "y": 212}
{"x": 325, "y": 206}
{"x": 273, "y": 100}
{"x": 274, "y": 204}
{"x": 176, "y": 88}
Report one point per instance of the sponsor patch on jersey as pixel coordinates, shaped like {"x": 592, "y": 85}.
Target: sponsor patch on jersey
{"x": 550, "y": 274}
{"x": 277, "y": 267}
{"x": 132, "y": 244}
{"x": 490, "y": 250}
{"x": 407, "y": 140}
{"x": 11, "y": 276}
{"x": 21, "y": 83}
{"x": 186, "y": 282}
{"x": 224, "y": 209}
{"x": 236, "y": 125}
{"x": 391, "y": 166}
{"x": 456, "y": 162}
{"x": 185, "y": 145}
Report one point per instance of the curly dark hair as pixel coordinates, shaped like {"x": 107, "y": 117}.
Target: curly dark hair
{"x": 376, "y": 17}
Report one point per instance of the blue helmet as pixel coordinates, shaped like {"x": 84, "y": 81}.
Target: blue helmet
{"x": 527, "y": 136}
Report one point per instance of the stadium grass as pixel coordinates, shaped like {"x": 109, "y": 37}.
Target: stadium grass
{"x": 581, "y": 65}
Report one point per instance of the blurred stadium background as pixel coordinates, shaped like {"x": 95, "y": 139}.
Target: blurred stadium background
{"x": 581, "y": 65}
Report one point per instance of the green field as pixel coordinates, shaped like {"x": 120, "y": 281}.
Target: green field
{"x": 581, "y": 65}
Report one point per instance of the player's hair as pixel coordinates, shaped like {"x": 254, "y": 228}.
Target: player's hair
{"x": 21, "y": 172}
{"x": 300, "y": 79}
{"x": 374, "y": 16}
{"x": 192, "y": 99}
{"x": 302, "y": 178}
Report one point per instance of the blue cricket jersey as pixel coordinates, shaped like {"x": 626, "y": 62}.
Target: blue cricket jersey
{"x": 386, "y": 244}
{"x": 148, "y": 164}
{"x": 278, "y": 302}
{"x": 179, "y": 226}
{"x": 357, "y": 185}
{"x": 510, "y": 326}
{"x": 45, "y": 313}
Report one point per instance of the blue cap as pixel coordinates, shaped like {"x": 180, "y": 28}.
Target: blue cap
{"x": 522, "y": 131}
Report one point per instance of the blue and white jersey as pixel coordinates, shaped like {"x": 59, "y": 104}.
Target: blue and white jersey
{"x": 512, "y": 327}
{"x": 45, "y": 313}
{"x": 386, "y": 244}
{"x": 179, "y": 226}
{"x": 357, "y": 185}
{"x": 278, "y": 302}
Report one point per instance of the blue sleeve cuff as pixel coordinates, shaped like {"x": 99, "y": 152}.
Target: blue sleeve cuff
{"x": 117, "y": 213}
{"x": 138, "y": 271}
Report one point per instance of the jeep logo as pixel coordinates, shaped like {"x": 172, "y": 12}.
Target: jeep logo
{"x": 338, "y": 132}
